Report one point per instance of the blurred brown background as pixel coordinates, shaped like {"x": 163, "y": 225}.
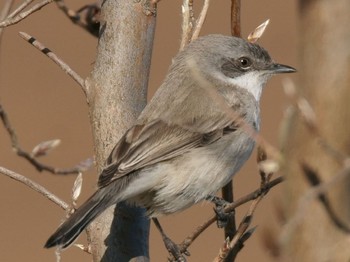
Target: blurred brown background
{"x": 43, "y": 103}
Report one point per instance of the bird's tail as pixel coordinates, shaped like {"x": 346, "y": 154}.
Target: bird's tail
{"x": 79, "y": 220}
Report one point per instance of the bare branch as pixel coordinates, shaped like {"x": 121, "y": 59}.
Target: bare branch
{"x": 90, "y": 21}
{"x": 242, "y": 228}
{"x": 309, "y": 118}
{"x": 20, "y": 152}
{"x": 229, "y": 208}
{"x": 187, "y": 22}
{"x": 236, "y": 18}
{"x": 19, "y": 9}
{"x": 36, "y": 187}
{"x": 14, "y": 20}
{"x": 4, "y": 13}
{"x": 314, "y": 180}
{"x": 310, "y": 195}
{"x": 66, "y": 68}
{"x": 200, "y": 20}
{"x": 242, "y": 234}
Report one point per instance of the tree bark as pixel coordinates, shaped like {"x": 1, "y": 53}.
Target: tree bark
{"x": 117, "y": 93}
{"x": 325, "y": 82}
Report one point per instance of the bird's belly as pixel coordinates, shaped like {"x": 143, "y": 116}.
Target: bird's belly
{"x": 190, "y": 178}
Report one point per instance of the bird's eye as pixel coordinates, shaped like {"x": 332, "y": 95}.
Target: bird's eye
{"x": 244, "y": 62}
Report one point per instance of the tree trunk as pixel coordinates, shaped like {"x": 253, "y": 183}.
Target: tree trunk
{"x": 325, "y": 82}
{"x": 117, "y": 92}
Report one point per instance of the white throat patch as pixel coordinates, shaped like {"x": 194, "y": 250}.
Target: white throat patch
{"x": 253, "y": 82}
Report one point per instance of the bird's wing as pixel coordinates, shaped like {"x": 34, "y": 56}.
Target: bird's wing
{"x": 156, "y": 141}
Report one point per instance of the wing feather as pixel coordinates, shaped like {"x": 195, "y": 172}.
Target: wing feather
{"x": 157, "y": 141}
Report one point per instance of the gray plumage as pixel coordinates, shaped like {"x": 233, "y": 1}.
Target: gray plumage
{"x": 184, "y": 146}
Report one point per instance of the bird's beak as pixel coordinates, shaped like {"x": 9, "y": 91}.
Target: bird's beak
{"x": 279, "y": 69}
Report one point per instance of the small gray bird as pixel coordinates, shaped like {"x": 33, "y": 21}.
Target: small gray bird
{"x": 184, "y": 146}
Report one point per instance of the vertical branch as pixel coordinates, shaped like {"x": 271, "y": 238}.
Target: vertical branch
{"x": 236, "y": 17}
{"x": 116, "y": 93}
{"x": 187, "y": 22}
{"x": 227, "y": 191}
{"x": 200, "y": 20}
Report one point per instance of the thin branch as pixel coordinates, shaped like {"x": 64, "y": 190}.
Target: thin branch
{"x": 39, "y": 166}
{"x": 187, "y": 22}
{"x": 4, "y": 13}
{"x": 36, "y": 187}
{"x": 309, "y": 118}
{"x": 242, "y": 229}
{"x": 227, "y": 190}
{"x": 91, "y": 14}
{"x": 14, "y": 20}
{"x": 200, "y": 20}
{"x": 232, "y": 248}
{"x": 314, "y": 180}
{"x": 229, "y": 208}
{"x": 66, "y": 68}
{"x": 19, "y": 9}
{"x": 310, "y": 195}
{"x": 236, "y": 18}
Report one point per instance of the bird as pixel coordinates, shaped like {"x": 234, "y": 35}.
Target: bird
{"x": 184, "y": 146}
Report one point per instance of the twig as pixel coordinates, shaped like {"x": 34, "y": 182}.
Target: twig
{"x": 236, "y": 18}
{"x": 4, "y": 13}
{"x": 227, "y": 191}
{"x": 66, "y": 68}
{"x": 227, "y": 195}
{"x": 308, "y": 115}
{"x": 14, "y": 20}
{"x": 36, "y": 187}
{"x": 232, "y": 248}
{"x": 229, "y": 208}
{"x": 200, "y": 20}
{"x": 91, "y": 18}
{"x": 20, "y": 152}
{"x": 242, "y": 229}
{"x": 314, "y": 180}
{"x": 19, "y": 9}
{"x": 304, "y": 201}
{"x": 187, "y": 22}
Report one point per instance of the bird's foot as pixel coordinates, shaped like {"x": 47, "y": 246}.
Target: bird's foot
{"x": 173, "y": 249}
{"x": 222, "y": 216}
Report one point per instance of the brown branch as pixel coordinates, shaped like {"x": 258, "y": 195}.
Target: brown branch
{"x": 39, "y": 166}
{"x": 227, "y": 191}
{"x": 90, "y": 21}
{"x": 65, "y": 67}
{"x": 16, "y": 19}
{"x": 36, "y": 187}
{"x": 236, "y": 242}
{"x": 229, "y": 208}
{"x": 231, "y": 249}
{"x": 309, "y": 118}
{"x": 304, "y": 202}
{"x": 314, "y": 180}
